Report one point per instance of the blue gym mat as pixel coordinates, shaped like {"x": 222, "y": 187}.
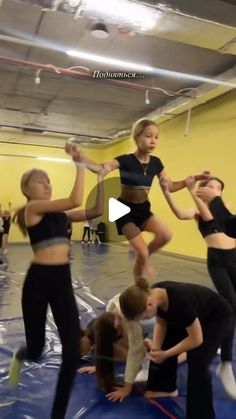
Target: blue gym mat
{"x": 99, "y": 272}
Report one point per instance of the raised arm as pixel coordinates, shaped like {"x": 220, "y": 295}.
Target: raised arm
{"x": 73, "y": 200}
{"x": 98, "y": 167}
{"x": 179, "y": 213}
{"x": 177, "y": 185}
{"x": 94, "y": 212}
{"x": 216, "y": 204}
{"x": 203, "y": 209}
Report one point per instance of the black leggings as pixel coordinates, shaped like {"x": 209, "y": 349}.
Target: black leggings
{"x": 52, "y": 285}
{"x": 162, "y": 377}
{"x": 86, "y": 230}
{"x": 221, "y": 266}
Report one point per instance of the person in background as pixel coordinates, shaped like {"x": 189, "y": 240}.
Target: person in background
{"x": 6, "y": 227}
{"x": 1, "y": 227}
{"x": 86, "y": 231}
{"x": 94, "y": 231}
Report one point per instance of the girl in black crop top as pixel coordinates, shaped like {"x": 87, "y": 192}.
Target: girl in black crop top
{"x": 137, "y": 171}
{"x": 48, "y": 280}
{"x": 221, "y": 262}
{"x": 190, "y": 318}
{"x": 219, "y": 209}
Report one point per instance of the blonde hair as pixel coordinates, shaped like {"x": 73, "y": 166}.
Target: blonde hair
{"x": 133, "y": 301}
{"x": 19, "y": 216}
{"x": 140, "y": 126}
{"x": 26, "y": 178}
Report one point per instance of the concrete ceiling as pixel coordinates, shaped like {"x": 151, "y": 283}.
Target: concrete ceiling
{"x": 191, "y": 37}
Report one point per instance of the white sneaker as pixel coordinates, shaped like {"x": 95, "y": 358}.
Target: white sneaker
{"x": 218, "y": 352}
{"x": 225, "y": 373}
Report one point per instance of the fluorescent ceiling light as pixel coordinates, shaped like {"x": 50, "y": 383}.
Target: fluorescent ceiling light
{"x": 193, "y": 77}
{"x": 111, "y": 61}
{"x": 54, "y": 159}
{"x": 125, "y": 13}
{"x": 130, "y": 66}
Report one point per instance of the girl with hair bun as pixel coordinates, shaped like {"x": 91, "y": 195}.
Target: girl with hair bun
{"x": 187, "y": 318}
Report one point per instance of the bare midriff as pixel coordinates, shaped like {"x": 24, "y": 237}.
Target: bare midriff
{"x": 52, "y": 255}
{"x": 134, "y": 195}
{"x": 220, "y": 241}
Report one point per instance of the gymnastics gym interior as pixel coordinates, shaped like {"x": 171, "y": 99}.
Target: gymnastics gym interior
{"x": 85, "y": 71}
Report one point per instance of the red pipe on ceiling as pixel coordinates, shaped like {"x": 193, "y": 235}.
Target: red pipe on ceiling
{"x": 74, "y": 73}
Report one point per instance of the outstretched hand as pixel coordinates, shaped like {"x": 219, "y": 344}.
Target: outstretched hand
{"x": 118, "y": 394}
{"x": 104, "y": 170}
{"x": 74, "y": 152}
{"x": 190, "y": 182}
{"x": 87, "y": 370}
{"x": 205, "y": 175}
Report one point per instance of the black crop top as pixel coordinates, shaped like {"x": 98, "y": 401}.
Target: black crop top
{"x": 219, "y": 210}
{"x": 134, "y": 173}
{"x": 209, "y": 227}
{"x": 52, "y": 229}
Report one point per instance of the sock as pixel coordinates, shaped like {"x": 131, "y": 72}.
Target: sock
{"x": 142, "y": 376}
{"x": 225, "y": 372}
{"x": 14, "y": 371}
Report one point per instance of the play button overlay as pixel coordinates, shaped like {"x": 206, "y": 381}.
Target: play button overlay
{"x": 113, "y": 208}
{"x": 116, "y": 209}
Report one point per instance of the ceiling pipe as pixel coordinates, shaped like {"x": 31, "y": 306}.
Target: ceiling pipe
{"x": 164, "y": 72}
{"x": 82, "y": 74}
{"x": 182, "y": 103}
{"x": 178, "y": 106}
{"x": 26, "y": 42}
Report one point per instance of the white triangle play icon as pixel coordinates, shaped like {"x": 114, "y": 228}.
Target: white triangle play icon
{"x": 116, "y": 209}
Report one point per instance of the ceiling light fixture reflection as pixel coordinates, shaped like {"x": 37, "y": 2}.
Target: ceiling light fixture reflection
{"x": 110, "y": 61}
{"x": 125, "y": 13}
{"x": 131, "y": 66}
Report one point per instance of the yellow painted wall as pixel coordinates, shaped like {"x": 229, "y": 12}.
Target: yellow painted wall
{"x": 60, "y": 174}
{"x": 211, "y": 144}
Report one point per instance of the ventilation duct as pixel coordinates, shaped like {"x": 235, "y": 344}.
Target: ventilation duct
{"x": 195, "y": 24}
